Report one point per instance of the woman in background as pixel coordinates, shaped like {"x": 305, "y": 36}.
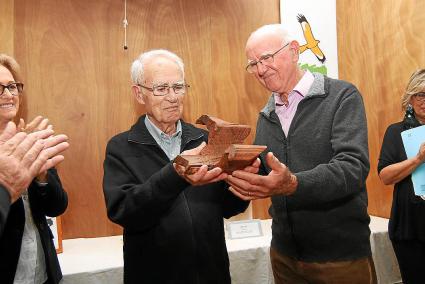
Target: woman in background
{"x": 407, "y": 221}
{"x": 27, "y": 253}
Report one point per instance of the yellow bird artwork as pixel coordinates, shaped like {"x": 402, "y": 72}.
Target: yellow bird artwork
{"x": 312, "y": 43}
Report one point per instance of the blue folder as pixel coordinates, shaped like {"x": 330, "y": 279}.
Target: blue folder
{"x": 412, "y": 140}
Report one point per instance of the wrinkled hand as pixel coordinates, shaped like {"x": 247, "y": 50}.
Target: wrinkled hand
{"x": 249, "y": 185}
{"x": 203, "y": 175}
{"x": 254, "y": 167}
{"x": 50, "y": 156}
{"x": 24, "y": 156}
{"x": 37, "y": 124}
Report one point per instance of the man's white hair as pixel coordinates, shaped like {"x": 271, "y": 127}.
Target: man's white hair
{"x": 277, "y": 29}
{"x": 137, "y": 68}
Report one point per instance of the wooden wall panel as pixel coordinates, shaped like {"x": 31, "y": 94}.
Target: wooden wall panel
{"x": 77, "y": 74}
{"x": 236, "y": 95}
{"x": 380, "y": 44}
{"x": 73, "y": 61}
{"x": 7, "y": 26}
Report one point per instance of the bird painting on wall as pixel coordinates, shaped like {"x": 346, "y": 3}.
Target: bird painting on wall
{"x": 311, "y": 43}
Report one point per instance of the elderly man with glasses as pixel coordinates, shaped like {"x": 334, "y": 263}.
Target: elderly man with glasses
{"x": 173, "y": 223}
{"x": 315, "y": 173}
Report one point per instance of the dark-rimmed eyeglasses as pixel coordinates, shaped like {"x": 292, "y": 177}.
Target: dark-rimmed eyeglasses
{"x": 164, "y": 89}
{"x": 265, "y": 59}
{"x": 14, "y": 88}
{"x": 420, "y": 97}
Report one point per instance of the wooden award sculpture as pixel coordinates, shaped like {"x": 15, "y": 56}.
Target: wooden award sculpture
{"x": 224, "y": 147}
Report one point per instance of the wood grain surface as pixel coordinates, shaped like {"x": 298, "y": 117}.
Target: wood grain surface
{"x": 7, "y": 27}
{"x": 380, "y": 44}
{"x": 77, "y": 74}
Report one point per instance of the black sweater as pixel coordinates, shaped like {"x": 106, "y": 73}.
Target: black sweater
{"x": 50, "y": 200}
{"x": 408, "y": 210}
{"x": 4, "y": 207}
{"x": 173, "y": 232}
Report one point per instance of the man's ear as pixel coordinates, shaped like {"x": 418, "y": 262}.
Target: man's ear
{"x": 138, "y": 94}
{"x": 295, "y": 48}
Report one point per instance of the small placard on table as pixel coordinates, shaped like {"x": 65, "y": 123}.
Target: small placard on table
{"x": 244, "y": 229}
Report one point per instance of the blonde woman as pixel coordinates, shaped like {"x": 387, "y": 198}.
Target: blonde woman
{"x": 407, "y": 221}
{"x": 27, "y": 253}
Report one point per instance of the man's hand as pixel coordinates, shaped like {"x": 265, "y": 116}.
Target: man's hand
{"x": 249, "y": 185}
{"x": 203, "y": 175}
{"x": 24, "y": 156}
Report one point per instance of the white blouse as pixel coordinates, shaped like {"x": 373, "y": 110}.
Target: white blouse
{"x": 31, "y": 265}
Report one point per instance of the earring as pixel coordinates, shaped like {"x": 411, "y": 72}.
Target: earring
{"x": 409, "y": 111}
{"x": 409, "y": 120}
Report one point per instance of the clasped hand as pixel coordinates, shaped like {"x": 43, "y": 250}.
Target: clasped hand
{"x": 203, "y": 175}
{"x": 248, "y": 185}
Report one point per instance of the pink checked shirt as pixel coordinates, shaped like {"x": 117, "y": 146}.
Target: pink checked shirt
{"x": 286, "y": 113}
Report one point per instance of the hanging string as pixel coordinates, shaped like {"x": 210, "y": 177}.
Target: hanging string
{"x": 125, "y": 24}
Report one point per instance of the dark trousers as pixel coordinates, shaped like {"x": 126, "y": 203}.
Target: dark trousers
{"x": 291, "y": 271}
{"x": 411, "y": 260}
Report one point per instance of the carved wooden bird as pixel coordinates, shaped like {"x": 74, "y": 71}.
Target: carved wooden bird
{"x": 224, "y": 147}
{"x": 312, "y": 43}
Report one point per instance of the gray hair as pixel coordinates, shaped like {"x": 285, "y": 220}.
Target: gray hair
{"x": 277, "y": 29}
{"x": 416, "y": 85}
{"x": 137, "y": 68}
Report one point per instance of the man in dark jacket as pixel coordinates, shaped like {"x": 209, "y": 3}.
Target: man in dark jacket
{"x": 315, "y": 173}
{"x": 173, "y": 224}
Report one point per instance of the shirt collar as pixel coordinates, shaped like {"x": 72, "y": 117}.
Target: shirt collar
{"x": 304, "y": 85}
{"x": 158, "y": 133}
{"x": 301, "y": 88}
{"x": 320, "y": 87}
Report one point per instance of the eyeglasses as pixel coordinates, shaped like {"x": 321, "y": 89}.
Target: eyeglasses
{"x": 266, "y": 59}
{"x": 14, "y": 88}
{"x": 164, "y": 89}
{"x": 420, "y": 97}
